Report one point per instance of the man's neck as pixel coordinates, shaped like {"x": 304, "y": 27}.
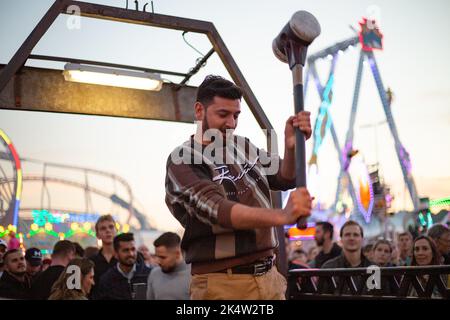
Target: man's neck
{"x": 125, "y": 268}
{"x": 108, "y": 251}
{"x": 327, "y": 246}
{"x": 57, "y": 261}
{"x": 404, "y": 254}
{"x": 20, "y": 278}
{"x": 353, "y": 257}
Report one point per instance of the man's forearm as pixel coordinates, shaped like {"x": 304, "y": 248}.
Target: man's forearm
{"x": 288, "y": 164}
{"x": 245, "y": 217}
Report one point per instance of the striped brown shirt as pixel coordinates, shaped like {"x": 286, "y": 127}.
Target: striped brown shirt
{"x": 202, "y": 189}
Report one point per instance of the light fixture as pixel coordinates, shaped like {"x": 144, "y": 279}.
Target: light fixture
{"x": 112, "y": 77}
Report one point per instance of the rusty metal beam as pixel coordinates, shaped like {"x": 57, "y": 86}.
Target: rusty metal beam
{"x": 92, "y": 10}
{"x": 21, "y": 55}
{"x": 144, "y": 18}
{"x": 239, "y": 79}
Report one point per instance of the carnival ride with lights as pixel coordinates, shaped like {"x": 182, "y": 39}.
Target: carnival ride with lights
{"x": 362, "y": 196}
{"x": 59, "y": 223}
{"x": 368, "y": 192}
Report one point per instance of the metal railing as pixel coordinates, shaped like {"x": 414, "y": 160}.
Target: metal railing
{"x": 429, "y": 282}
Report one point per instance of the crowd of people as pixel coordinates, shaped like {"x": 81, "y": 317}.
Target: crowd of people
{"x": 121, "y": 271}
{"x": 117, "y": 271}
{"x": 429, "y": 249}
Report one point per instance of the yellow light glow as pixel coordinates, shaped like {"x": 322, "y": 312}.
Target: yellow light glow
{"x": 61, "y": 236}
{"x": 113, "y": 79}
{"x": 117, "y": 226}
{"x": 5, "y": 137}
{"x": 19, "y": 184}
{"x": 125, "y": 228}
{"x": 34, "y": 227}
{"x": 48, "y": 226}
{"x": 10, "y": 227}
{"x": 87, "y": 226}
{"x": 74, "y": 226}
{"x": 2, "y": 229}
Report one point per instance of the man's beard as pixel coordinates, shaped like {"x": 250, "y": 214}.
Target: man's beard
{"x": 226, "y": 133}
{"x": 319, "y": 242}
{"x": 128, "y": 264}
{"x": 168, "y": 270}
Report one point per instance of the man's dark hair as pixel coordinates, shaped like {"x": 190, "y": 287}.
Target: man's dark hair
{"x": 214, "y": 86}
{"x": 327, "y": 227}
{"x": 63, "y": 248}
{"x": 168, "y": 240}
{"x": 123, "y": 237}
{"x": 8, "y": 253}
{"x": 437, "y": 231}
{"x": 351, "y": 223}
{"x": 79, "y": 251}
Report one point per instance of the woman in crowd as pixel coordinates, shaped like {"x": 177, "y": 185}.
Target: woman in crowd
{"x": 65, "y": 288}
{"x": 425, "y": 253}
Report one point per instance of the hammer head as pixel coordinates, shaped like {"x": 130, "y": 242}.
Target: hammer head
{"x": 299, "y": 32}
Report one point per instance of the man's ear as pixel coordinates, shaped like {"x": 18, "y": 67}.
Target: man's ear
{"x": 177, "y": 253}
{"x": 199, "y": 111}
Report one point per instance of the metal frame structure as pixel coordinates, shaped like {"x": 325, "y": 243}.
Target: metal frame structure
{"x": 344, "y": 159}
{"x": 142, "y": 18}
{"x": 154, "y": 20}
{"x": 342, "y": 283}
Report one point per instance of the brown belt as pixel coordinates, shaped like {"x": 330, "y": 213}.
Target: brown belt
{"x": 258, "y": 268}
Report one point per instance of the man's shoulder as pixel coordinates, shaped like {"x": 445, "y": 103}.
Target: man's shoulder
{"x": 155, "y": 273}
{"x": 335, "y": 262}
{"x": 336, "y": 249}
{"x": 112, "y": 274}
{"x": 142, "y": 268}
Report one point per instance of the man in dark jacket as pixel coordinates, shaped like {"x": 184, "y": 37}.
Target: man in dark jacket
{"x": 14, "y": 283}
{"x": 63, "y": 252}
{"x": 352, "y": 237}
{"x": 127, "y": 280}
{"x": 324, "y": 239}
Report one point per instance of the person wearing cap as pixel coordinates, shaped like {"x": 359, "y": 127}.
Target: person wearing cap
{"x": 33, "y": 256}
{"x": 3, "y": 247}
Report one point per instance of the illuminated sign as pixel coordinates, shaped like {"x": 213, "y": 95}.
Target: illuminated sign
{"x": 41, "y": 217}
{"x": 295, "y": 233}
{"x": 370, "y": 36}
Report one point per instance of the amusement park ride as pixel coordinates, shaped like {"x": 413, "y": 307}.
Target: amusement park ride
{"x": 367, "y": 194}
{"x": 361, "y": 193}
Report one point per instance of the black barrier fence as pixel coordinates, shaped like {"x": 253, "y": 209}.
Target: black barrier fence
{"x": 428, "y": 282}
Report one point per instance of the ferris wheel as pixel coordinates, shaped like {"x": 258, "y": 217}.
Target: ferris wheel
{"x": 10, "y": 193}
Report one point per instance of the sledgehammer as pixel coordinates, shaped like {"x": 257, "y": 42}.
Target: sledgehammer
{"x": 290, "y": 46}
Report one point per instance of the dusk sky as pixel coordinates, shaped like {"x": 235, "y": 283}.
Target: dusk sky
{"x": 414, "y": 64}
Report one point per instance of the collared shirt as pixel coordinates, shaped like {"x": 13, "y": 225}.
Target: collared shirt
{"x": 101, "y": 265}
